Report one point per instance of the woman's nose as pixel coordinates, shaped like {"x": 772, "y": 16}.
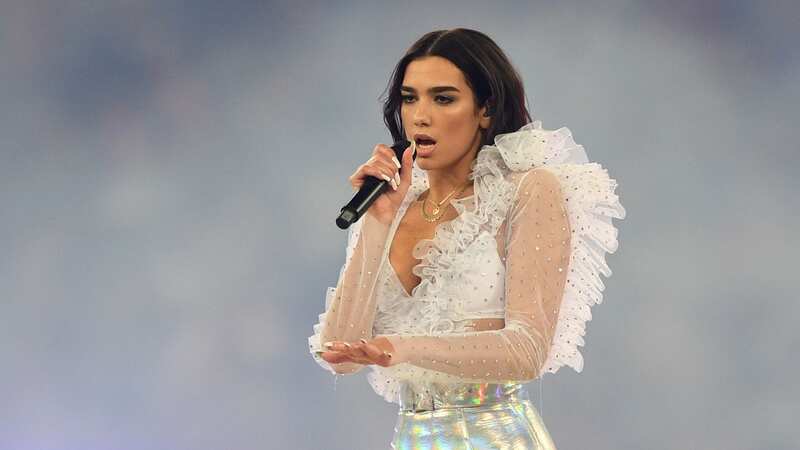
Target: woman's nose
{"x": 421, "y": 115}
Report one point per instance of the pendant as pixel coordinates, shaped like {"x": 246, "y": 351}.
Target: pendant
{"x": 435, "y": 210}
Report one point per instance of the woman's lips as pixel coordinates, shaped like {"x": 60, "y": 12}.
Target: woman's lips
{"x": 425, "y": 150}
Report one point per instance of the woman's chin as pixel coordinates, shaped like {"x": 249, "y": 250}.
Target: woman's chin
{"x": 423, "y": 163}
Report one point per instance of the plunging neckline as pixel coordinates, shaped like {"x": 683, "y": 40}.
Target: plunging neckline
{"x": 397, "y": 281}
{"x": 399, "y": 218}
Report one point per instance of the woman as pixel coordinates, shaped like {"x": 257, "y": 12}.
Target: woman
{"x": 475, "y": 273}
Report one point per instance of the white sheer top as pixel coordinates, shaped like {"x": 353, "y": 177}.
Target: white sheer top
{"x": 527, "y": 247}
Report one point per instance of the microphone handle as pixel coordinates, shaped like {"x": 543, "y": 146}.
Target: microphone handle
{"x": 372, "y": 188}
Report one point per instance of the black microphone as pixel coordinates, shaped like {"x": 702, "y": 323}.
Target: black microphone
{"x": 371, "y": 189}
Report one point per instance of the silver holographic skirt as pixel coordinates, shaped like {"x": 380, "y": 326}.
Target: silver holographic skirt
{"x": 469, "y": 416}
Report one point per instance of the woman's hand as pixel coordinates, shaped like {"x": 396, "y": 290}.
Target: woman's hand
{"x": 376, "y": 351}
{"x": 384, "y": 165}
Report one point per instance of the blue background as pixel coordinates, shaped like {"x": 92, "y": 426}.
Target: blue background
{"x": 170, "y": 173}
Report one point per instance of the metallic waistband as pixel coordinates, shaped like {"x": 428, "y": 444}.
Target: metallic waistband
{"x": 431, "y": 397}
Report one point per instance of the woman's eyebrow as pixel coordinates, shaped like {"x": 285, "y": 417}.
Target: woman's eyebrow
{"x": 432, "y": 90}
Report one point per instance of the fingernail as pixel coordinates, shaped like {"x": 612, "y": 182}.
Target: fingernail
{"x": 397, "y": 178}
{"x": 386, "y": 177}
{"x": 363, "y": 341}
{"x": 394, "y": 184}
{"x": 347, "y": 344}
{"x": 396, "y": 162}
{"x": 328, "y": 344}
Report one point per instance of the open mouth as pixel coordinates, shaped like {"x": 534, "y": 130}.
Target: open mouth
{"x": 425, "y": 146}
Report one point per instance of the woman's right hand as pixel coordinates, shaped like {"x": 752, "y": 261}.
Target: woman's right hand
{"x": 384, "y": 165}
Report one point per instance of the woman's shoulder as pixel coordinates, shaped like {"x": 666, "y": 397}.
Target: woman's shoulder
{"x": 530, "y": 181}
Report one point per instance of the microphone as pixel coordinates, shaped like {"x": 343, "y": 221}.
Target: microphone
{"x": 372, "y": 188}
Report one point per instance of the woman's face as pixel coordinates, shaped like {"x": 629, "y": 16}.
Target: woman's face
{"x": 437, "y": 101}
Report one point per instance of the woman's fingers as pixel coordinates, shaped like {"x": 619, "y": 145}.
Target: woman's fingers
{"x": 345, "y": 351}
{"x": 336, "y": 346}
{"x": 375, "y": 354}
{"x": 384, "y": 164}
{"x": 335, "y": 357}
{"x": 387, "y": 159}
{"x": 342, "y": 357}
{"x": 401, "y": 168}
{"x": 358, "y": 352}
{"x": 376, "y": 170}
{"x": 388, "y": 171}
{"x": 407, "y": 163}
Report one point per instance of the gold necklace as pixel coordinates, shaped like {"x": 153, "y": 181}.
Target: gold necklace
{"x": 438, "y": 211}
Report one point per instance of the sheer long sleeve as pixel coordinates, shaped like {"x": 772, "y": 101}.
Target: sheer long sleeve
{"x": 350, "y": 306}
{"x": 537, "y": 258}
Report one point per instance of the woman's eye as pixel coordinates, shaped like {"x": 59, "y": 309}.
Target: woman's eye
{"x": 445, "y": 99}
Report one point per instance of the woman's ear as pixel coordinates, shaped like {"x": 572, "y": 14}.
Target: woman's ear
{"x": 486, "y": 118}
{"x": 486, "y": 113}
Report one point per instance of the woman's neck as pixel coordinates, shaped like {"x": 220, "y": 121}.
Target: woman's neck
{"x": 442, "y": 183}
{"x": 440, "y": 189}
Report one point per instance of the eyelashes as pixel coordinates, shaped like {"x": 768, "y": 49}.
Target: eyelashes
{"x": 447, "y": 99}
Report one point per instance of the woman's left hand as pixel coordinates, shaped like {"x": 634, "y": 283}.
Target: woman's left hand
{"x": 376, "y": 351}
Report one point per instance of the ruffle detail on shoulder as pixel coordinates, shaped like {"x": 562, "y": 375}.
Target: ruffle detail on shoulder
{"x": 532, "y": 146}
{"x": 591, "y": 204}
{"x": 314, "y": 344}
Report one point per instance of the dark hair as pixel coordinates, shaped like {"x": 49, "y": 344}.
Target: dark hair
{"x": 488, "y": 72}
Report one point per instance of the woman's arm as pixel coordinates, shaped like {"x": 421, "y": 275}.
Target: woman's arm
{"x": 350, "y": 307}
{"x": 537, "y": 260}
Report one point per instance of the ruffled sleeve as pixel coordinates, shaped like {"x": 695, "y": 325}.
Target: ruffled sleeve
{"x": 591, "y": 203}
{"x": 350, "y": 306}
